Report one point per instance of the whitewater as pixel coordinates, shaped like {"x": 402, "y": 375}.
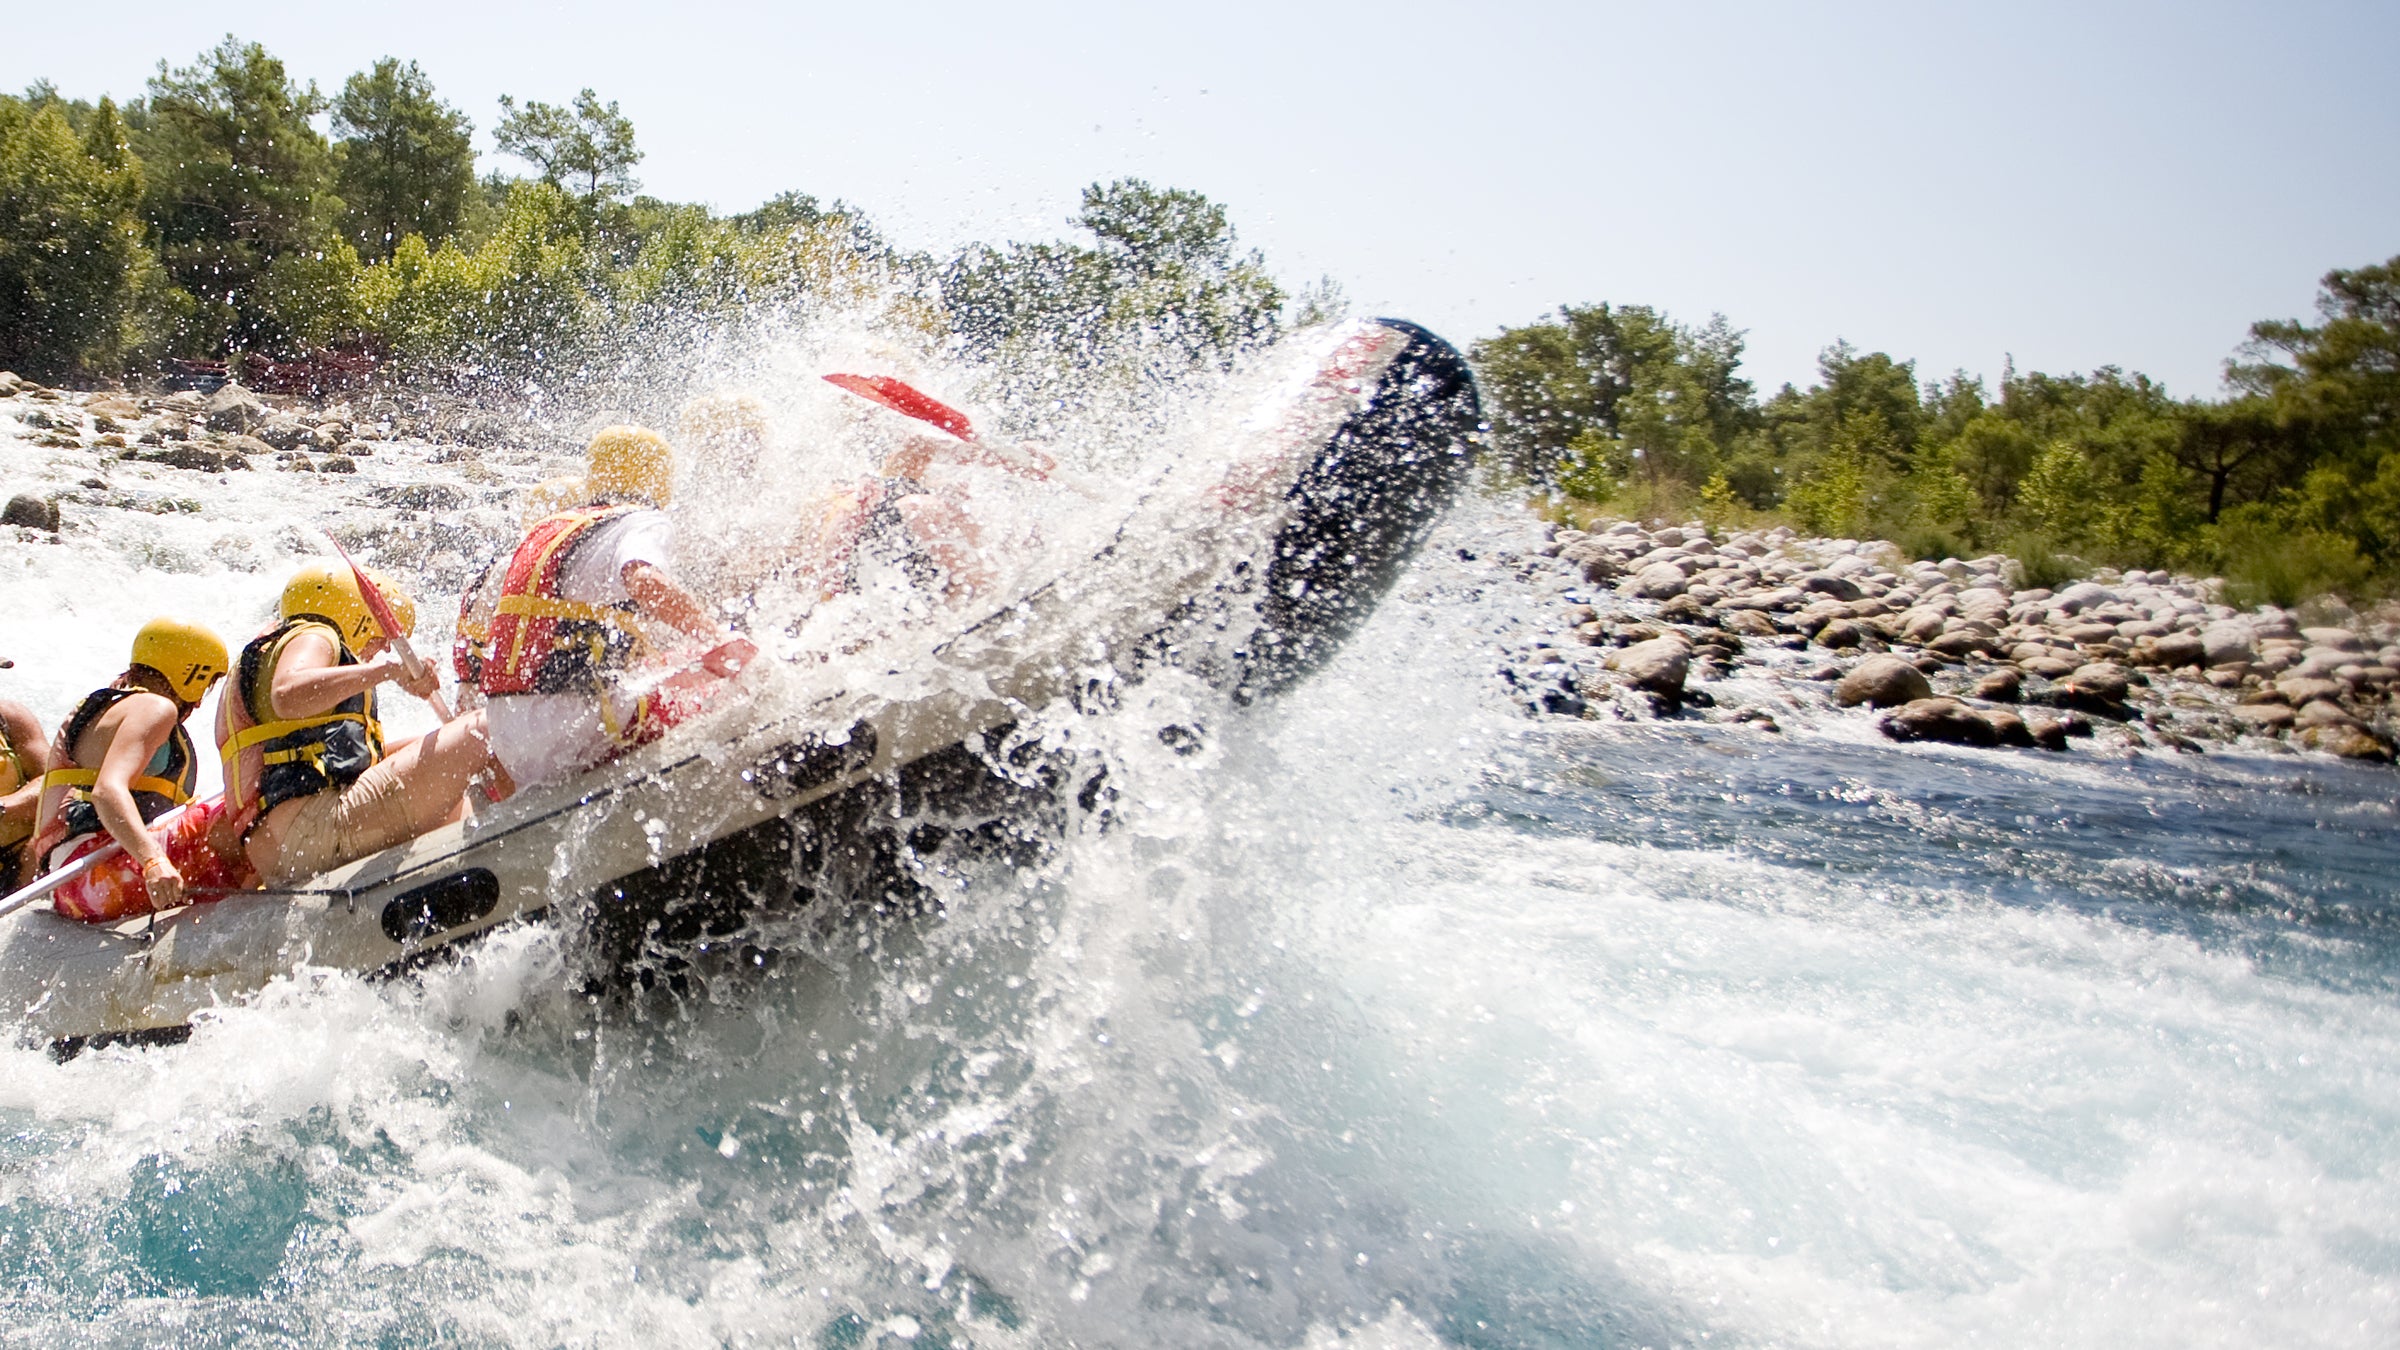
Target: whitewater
{"x": 1379, "y": 1014}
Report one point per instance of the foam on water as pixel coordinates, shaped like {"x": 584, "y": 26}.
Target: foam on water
{"x": 1376, "y": 1015}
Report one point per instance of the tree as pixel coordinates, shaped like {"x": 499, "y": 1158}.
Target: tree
{"x": 406, "y": 160}
{"x": 74, "y": 272}
{"x": 236, "y": 177}
{"x": 586, "y": 148}
{"x": 1609, "y": 380}
{"x": 1166, "y": 281}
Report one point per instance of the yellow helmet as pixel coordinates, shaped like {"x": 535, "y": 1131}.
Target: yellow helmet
{"x": 723, "y": 417}
{"x": 189, "y": 656}
{"x": 633, "y": 462}
{"x": 327, "y": 591}
{"x": 551, "y": 496}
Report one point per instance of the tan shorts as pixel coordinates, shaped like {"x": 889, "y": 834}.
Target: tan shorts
{"x": 332, "y": 828}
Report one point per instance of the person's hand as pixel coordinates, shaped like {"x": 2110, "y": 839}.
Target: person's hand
{"x": 728, "y": 657}
{"x": 164, "y": 883}
{"x": 424, "y": 686}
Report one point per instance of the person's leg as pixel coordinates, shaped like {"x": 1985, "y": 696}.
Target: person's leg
{"x": 420, "y": 786}
{"x": 431, "y": 773}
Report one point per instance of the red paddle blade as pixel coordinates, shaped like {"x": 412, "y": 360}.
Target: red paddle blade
{"x": 381, "y": 608}
{"x": 907, "y": 401}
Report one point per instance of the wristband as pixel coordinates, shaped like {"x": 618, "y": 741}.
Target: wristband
{"x": 162, "y": 860}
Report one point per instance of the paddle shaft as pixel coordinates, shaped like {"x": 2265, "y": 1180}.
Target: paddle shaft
{"x": 390, "y": 624}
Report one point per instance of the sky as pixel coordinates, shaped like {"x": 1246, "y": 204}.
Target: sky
{"x": 2064, "y": 185}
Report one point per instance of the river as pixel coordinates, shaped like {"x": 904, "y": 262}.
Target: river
{"x": 1377, "y": 1014}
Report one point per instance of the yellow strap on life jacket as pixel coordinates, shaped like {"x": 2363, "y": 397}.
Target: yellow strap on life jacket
{"x": 544, "y": 607}
{"x": 231, "y": 751}
{"x": 85, "y": 778}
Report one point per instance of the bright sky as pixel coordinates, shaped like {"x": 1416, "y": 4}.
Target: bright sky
{"x": 2073, "y": 184}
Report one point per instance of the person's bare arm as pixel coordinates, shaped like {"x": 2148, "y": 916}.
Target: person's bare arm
{"x": 921, "y": 452}
{"x": 142, "y": 724}
{"x": 309, "y": 681}
{"x": 658, "y": 597}
{"x": 24, "y": 732}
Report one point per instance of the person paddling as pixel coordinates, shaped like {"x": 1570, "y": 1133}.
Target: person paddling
{"x": 123, "y": 759}
{"x": 570, "y": 629}
{"x": 471, "y": 643}
{"x": 24, "y": 758}
{"x": 309, "y": 782}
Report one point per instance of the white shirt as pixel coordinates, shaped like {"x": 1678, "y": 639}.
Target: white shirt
{"x": 541, "y": 738}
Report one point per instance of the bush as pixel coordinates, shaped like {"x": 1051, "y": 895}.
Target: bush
{"x": 2038, "y": 565}
{"x": 2265, "y": 560}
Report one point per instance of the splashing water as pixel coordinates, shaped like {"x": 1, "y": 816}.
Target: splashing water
{"x": 1373, "y": 1015}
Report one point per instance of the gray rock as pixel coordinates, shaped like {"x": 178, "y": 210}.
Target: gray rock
{"x": 2301, "y": 690}
{"x": 285, "y": 432}
{"x": 1940, "y": 719}
{"x": 2009, "y": 728}
{"x": 1840, "y": 634}
{"x": 2001, "y": 686}
{"x": 1922, "y": 624}
{"x": 2102, "y": 680}
{"x": 1747, "y": 622}
{"x": 2349, "y": 742}
{"x": 1882, "y": 682}
{"x": 2081, "y": 596}
{"x": 234, "y": 408}
{"x": 1961, "y": 643}
{"x": 2325, "y": 713}
{"x": 1658, "y": 581}
{"x": 1599, "y": 563}
{"x": 1830, "y": 583}
{"x": 2176, "y": 650}
{"x": 30, "y": 511}
{"x": 2052, "y": 733}
{"x": 1658, "y": 666}
{"x": 2339, "y": 639}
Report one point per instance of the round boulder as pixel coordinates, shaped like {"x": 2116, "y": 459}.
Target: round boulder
{"x": 1940, "y": 719}
{"x": 1658, "y": 666}
{"x": 1882, "y": 682}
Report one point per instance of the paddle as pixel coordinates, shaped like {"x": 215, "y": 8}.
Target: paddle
{"x": 81, "y": 865}
{"x": 390, "y": 624}
{"x": 907, "y": 401}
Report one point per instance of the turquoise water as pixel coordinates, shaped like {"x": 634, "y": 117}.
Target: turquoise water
{"x": 1390, "y": 1017}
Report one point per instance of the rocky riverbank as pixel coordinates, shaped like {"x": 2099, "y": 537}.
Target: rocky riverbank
{"x": 1758, "y": 627}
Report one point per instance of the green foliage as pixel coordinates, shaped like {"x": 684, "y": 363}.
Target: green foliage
{"x": 2266, "y": 561}
{"x": 586, "y": 146}
{"x": 2040, "y": 564}
{"x": 1622, "y": 373}
{"x": 405, "y": 160}
{"x": 236, "y": 176}
{"x": 522, "y": 298}
{"x": 2290, "y": 484}
{"x": 77, "y": 281}
{"x": 1164, "y": 281}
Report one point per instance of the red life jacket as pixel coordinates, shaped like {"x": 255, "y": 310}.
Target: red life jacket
{"x": 541, "y": 644}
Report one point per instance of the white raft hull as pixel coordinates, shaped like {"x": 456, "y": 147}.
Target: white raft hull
{"x": 1296, "y": 531}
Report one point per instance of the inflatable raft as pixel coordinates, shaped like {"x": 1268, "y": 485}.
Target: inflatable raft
{"x": 1247, "y": 566}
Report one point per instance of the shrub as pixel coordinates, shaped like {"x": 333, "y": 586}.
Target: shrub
{"x": 2264, "y": 559}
